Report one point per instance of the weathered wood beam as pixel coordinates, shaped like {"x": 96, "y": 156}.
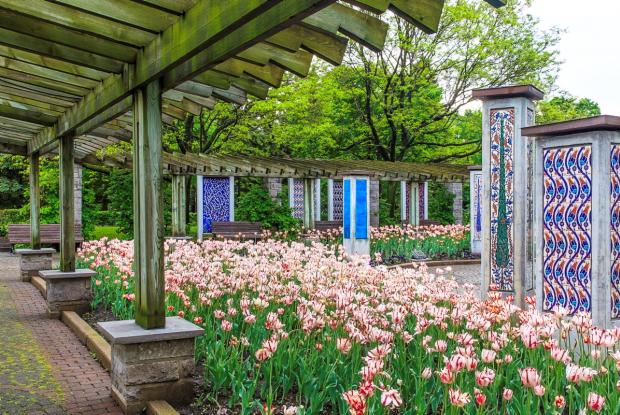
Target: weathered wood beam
{"x": 30, "y": 105}
{"x": 83, "y": 22}
{"x": 27, "y": 116}
{"x": 134, "y": 14}
{"x": 209, "y": 33}
{"x": 47, "y": 73}
{"x": 56, "y": 64}
{"x": 35, "y": 202}
{"x": 39, "y": 90}
{"x": 15, "y": 149}
{"x": 43, "y": 82}
{"x": 327, "y": 46}
{"x": 31, "y": 97}
{"x": 264, "y": 53}
{"x": 25, "y": 32}
{"x": 171, "y": 6}
{"x": 150, "y": 310}
{"x": 67, "y": 207}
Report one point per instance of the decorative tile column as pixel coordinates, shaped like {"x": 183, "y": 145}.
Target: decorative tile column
{"x": 423, "y": 200}
{"x": 296, "y": 197}
{"x": 456, "y": 188}
{"x": 356, "y": 221}
{"x": 274, "y": 188}
{"x": 475, "y": 209}
{"x": 410, "y": 202}
{"x": 577, "y": 217}
{"x": 77, "y": 193}
{"x": 155, "y": 364}
{"x": 317, "y": 199}
{"x": 334, "y": 199}
{"x": 216, "y": 202}
{"x": 374, "y": 203}
{"x": 506, "y": 257}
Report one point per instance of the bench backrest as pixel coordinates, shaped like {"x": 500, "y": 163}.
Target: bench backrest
{"x": 327, "y": 225}
{"x": 50, "y": 233}
{"x": 234, "y": 229}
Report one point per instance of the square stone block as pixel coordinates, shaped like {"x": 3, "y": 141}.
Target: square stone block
{"x": 149, "y": 365}
{"x": 68, "y": 291}
{"x": 31, "y": 261}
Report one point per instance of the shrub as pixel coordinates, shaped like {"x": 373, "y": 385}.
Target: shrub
{"x": 255, "y": 205}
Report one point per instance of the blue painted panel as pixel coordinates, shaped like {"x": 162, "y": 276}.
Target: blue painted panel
{"x": 347, "y": 208}
{"x": 216, "y": 201}
{"x": 361, "y": 209}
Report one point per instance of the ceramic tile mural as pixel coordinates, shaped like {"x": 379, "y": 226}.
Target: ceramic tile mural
{"x": 615, "y": 231}
{"x": 501, "y": 185}
{"x": 477, "y": 207}
{"x": 531, "y": 245}
{"x": 338, "y": 200}
{"x": 422, "y": 200}
{"x": 298, "y": 198}
{"x": 216, "y": 201}
{"x": 408, "y": 202}
{"x": 567, "y": 219}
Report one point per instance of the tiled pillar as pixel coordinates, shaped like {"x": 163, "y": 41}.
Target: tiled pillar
{"x": 374, "y": 203}
{"x": 577, "y": 217}
{"x": 456, "y": 189}
{"x": 334, "y": 199}
{"x": 356, "y": 215}
{"x": 475, "y": 209}
{"x": 296, "y": 197}
{"x": 77, "y": 193}
{"x": 216, "y": 201}
{"x": 317, "y": 199}
{"x": 308, "y": 203}
{"x": 274, "y": 188}
{"x": 506, "y": 263}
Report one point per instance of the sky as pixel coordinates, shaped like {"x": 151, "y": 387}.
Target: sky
{"x": 590, "y": 47}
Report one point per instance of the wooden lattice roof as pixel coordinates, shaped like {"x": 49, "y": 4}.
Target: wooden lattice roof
{"x": 71, "y": 66}
{"x": 253, "y": 166}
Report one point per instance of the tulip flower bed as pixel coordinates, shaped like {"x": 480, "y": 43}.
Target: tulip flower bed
{"x": 292, "y": 328}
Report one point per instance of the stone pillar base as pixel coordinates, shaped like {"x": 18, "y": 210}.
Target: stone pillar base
{"x": 67, "y": 291}
{"x": 31, "y": 261}
{"x": 150, "y": 365}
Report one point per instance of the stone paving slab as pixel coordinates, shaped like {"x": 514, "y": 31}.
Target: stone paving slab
{"x": 44, "y": 369}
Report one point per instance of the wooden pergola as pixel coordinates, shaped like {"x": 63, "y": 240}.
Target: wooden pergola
{"x": 77, "y": 75}
{"x": 177, "y": 164}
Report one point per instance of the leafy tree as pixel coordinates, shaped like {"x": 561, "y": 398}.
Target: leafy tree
{"x": 566, "y": 107}
{"x": 255, "y": 205}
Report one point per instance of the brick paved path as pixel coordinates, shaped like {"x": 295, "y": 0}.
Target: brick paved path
{"x": 44, "y": 369}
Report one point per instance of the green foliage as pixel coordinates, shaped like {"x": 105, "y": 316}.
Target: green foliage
{"x": 255, "y": 205}
{"x": 566, "y": 107}
{"x": 119, "y": 192}
{"x": 9, "y": 216}
{"x": 440, "y": 203}
{"x": 110, "y": 232}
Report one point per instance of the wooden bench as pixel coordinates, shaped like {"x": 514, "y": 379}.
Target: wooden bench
{"x": 50, "y": 234}
{"x": 4, "y": 244}
{"x": 237, "y": 230}
{"x": 327, "y": 225}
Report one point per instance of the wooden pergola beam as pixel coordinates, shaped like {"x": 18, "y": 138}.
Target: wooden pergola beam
{"x": 209, "y": 33}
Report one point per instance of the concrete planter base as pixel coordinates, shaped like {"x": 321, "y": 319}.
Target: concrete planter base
{"x": 31, "y": 261}
{"x": 67, "y": 291}
{"x": 150, "y": 365}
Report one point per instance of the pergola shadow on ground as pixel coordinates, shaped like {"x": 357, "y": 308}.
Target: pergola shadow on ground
{"x": 77, "y": 75}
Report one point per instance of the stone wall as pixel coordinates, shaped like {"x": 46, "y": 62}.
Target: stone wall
{"x": 374, "y": 203}
{"x": 457, "y": 208}
{"x": 274, "y": 187}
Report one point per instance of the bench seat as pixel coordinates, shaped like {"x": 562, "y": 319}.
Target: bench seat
{"x": 237, "y": 230}
{"x": 50, "y": 234}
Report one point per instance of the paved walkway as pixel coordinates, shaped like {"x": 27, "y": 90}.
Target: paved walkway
{"x": 44, "y": 369}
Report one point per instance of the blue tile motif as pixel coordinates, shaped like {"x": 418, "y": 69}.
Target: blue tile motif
{"x": 216, "y": 201}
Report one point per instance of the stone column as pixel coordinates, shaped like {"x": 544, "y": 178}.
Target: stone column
{"x": 308, "y": 203}
{"x": 77, "y": 193}
{"x": 404, "y": 202}
{"x": 577, "y": 217}
{"x": 506, "y": 266}
{"x": 475, "y": 209}
{"x": 374, "y": 203}
{"x": 456, "y": 189}
{"x": 356, "y": 222}
{"x": 274, "y": 188}
{"x": 317, "y": 199}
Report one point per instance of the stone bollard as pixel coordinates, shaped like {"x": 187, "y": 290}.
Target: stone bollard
{"x": 31, "y": 261}
{"x": 577, "y": 217}
{"x": 67, "y": 291}
{"x": 150, "y": 365}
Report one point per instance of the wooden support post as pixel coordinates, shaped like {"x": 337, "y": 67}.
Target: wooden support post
{"x": 308, "y": 204}
{"x": 35, "y": 202}
{"x": 178, "y": 205}
{"x": 67, "y": 205}
{"x": 148, "y": 208}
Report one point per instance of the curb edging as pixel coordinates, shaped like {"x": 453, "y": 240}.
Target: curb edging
{"x": 440, "y": 263}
